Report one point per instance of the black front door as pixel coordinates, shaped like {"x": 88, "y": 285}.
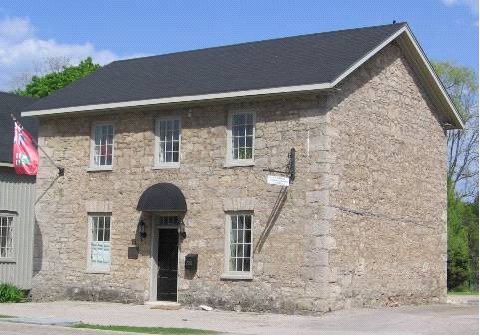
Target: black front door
{"x": 167, "y": 265}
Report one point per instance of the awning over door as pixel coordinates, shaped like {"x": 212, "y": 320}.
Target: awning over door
{"x": 162, "y": 197}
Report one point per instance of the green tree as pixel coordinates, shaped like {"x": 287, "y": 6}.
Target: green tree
{"x": 41, "y": 86}
{"x": 458, "y": 266}
{"x": 462, "y": 86}
{"x": 471, "y": 225}
{"x": 461, "y": 83}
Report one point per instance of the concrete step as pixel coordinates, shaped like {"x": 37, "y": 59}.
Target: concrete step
{"x": 165, "y": 305}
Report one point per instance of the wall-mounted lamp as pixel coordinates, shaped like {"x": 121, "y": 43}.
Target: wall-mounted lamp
{"x": 141, "y": 229}
{"x": 183, "y": 234}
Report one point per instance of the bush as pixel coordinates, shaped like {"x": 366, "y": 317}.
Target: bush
{"x": 10, "y": 293}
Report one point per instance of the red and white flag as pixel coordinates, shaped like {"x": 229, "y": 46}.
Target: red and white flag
{"x": 25, "y": 153}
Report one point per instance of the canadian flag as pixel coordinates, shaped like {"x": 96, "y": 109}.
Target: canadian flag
{"x": 25, "y": 154}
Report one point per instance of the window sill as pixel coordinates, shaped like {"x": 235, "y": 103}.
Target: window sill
{"x": 231, "y": 276}
{"x": 175, "y": 165}
{"x": 97, "y": 272}
{"x": 99, "y": 169}
{"x": 7, "y": 260}
{"x": 246, "y": 163}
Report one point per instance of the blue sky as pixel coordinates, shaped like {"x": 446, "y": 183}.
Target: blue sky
{"x": 109, "y": 30}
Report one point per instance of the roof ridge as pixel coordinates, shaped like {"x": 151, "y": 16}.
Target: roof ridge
{"x": 400, "y": 24}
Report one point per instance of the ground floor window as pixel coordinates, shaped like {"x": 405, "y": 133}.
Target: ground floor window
{"x": 239, "y": 243}
{"x": 6, "y": 236}
{"x": 99, "y": 242}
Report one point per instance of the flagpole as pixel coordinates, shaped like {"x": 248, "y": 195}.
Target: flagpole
{"x": 61, "y": 170}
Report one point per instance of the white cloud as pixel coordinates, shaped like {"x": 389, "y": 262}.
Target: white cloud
{"x": 21, "y": 50}
{"x": 471, "y": 4}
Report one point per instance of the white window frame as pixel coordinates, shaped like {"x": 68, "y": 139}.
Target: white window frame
{"x": 157, "y": 164}
{"x": 239, "y": 162}
{"x": 92, "y": 267}
{"x": 10, "y": 258}
{"x": 94, "y": 167}
{"x": 237, "y": 275}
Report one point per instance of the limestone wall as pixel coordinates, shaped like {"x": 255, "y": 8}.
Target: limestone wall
{"x": 390, "y": 207}
{"x": 286, "y": 273}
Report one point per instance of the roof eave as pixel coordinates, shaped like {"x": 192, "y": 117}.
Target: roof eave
{"x": 181, "y": 99}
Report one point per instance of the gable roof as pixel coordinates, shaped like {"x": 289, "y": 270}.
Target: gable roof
{"x": 10, "y": 103}
{"x": 291, "y": 64}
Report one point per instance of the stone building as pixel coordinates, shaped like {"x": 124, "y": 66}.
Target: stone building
{"x": 165, "y": 193}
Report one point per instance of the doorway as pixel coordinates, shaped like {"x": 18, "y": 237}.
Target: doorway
{"x": 167, "y": 273}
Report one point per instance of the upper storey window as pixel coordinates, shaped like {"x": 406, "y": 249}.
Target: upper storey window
{"x": 168, "y": 133}
{"x": 241, "y": 135}
{"x": 102, "y": 146}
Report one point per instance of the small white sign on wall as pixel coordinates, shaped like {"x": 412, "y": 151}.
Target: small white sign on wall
{"x": 278, "y": 180}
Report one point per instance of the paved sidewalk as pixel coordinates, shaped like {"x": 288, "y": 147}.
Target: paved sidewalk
{"x": 431, "y": 319}
{"x": 463, "y": 299}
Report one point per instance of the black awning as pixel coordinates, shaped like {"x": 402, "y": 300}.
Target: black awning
{"x": 162, "y": 197}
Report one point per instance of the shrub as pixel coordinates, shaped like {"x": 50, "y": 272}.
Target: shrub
{"x": 10, "y": 293}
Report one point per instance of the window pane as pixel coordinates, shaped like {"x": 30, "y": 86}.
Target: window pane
{"x": 246, "y": 264}
{"x": 239, "y": 265}
{"x": 239, "y": 250}
{"x": 94, "y": 227}
{"x": 248, "y": 222}
{"x": 240, "y": 222}
{"x": 233, "y": 236}
{"x": 247, "y": 250}
{"x": 248, "y": 236}
{"x": 232, "y": 264}
{"x": 240, "y": 236}
{"x": 100, "y": 229}
{"x": 98, "y": 135}
{"x": 249, "y": 142}
{"x": 107, "y": 234}
{"x": 235, "y": 148}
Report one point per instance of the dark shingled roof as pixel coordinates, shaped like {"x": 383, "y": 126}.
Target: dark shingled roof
{"x": 10, "y": 103}
{"x": 298, "y": 60}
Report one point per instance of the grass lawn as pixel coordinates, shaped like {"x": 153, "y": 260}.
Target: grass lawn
{"x": 465, "y": 292}
{"x": 146, "y": 330}
{"x": 6, "y": 316}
